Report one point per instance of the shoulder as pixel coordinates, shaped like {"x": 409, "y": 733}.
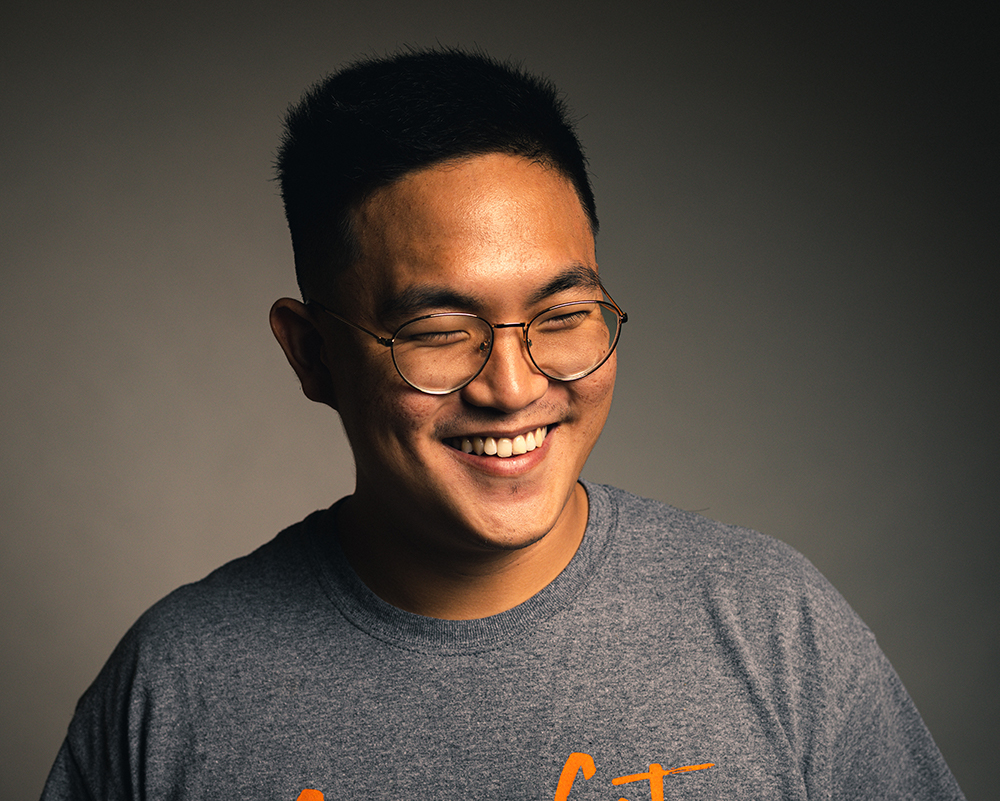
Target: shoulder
{"x": 751, "y": 611}
{"x": 185, "y": 652}
{"x": 276, "y": 567}
{"x": 224, "y": 611}
{"x": 744, "y": 598}
{"x": 679, "y": 540}
{"x": 744, "y": 581}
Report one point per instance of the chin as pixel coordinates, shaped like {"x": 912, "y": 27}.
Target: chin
{"x": 506, "y": 540}
{"x": 516, "y": 523}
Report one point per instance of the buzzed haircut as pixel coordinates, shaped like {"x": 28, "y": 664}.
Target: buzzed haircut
{"x": 379, "y": 119}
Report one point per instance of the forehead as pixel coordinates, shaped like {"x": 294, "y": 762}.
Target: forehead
{"x": 491, "y": 231}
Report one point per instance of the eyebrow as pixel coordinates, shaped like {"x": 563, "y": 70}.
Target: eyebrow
{"x": 413, "y": 301}
{"x": 576, "y": 276}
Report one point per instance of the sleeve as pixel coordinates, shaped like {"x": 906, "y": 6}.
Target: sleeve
{"x": 884, "y": 750}
{"x": 832, "y": 691}
{"x": 95, "y": 760}
{"x": 65, "y": 781}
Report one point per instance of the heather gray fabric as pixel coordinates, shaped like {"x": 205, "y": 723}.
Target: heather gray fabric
{"x": 669, "y": 641}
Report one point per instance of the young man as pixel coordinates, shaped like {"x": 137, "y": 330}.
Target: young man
{"x": 473, "y": 622}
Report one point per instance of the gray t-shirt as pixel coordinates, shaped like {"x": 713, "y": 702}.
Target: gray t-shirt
{"x": 674, "y": 657}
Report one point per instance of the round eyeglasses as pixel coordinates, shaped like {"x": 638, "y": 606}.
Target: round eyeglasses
{"x": 443, "y": 352}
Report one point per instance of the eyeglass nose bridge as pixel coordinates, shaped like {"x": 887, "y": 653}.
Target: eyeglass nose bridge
{"x": 522, "y": 326}
{"x": 487, "y": 347}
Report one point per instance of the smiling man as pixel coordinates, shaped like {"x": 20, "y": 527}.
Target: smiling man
{"x": 473, "y": 621}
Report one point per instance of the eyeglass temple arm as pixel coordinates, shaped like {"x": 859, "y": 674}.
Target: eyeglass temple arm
{"x": 381, "y": 340}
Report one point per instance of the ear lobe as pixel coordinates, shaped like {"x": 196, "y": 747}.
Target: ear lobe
{"x": 304, "y": 346}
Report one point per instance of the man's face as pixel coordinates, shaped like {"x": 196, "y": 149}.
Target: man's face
{"x": 497, "y": 236}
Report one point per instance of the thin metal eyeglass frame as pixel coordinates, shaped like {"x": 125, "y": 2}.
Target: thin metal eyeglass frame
{"x": 388, "y": 341}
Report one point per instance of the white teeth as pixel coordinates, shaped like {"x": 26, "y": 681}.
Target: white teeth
{"x": 503, "y": 447}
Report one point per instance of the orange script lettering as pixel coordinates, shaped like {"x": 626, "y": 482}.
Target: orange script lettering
{"x": 578, "y": 761}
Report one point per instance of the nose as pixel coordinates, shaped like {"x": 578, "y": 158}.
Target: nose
{"x": 509, "y": 380}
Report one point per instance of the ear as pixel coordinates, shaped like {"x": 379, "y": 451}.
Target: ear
{"x": 304, "y": 348}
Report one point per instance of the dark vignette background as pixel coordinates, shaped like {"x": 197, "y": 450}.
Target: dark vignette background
{"x": 799, "y": 213}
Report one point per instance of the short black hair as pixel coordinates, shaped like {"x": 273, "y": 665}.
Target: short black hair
{"x": 378, "y": 119}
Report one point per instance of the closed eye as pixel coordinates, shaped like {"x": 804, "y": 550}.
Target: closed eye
{"x": 434, "y": 338}
{"x": 566, "y": 320}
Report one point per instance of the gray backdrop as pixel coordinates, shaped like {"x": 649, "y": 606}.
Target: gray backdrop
{"x": 798, "y": 213}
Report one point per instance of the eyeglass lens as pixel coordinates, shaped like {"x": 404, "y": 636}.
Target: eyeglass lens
{"x": 439, "y": 354}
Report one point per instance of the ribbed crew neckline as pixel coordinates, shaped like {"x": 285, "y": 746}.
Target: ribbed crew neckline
{"x": 409, "y": 631}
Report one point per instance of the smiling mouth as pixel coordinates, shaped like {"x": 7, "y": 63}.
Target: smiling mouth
{"x": 502, "y": 447}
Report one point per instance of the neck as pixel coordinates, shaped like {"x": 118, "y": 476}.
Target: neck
{"x": 456, "y": 584}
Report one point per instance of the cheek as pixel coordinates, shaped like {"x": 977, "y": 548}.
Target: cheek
{"x": 391, "y": 440}
{"x": 593, "y": 403}
{"x": 596, "y": 391}
{"x": 387, "y": 419}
